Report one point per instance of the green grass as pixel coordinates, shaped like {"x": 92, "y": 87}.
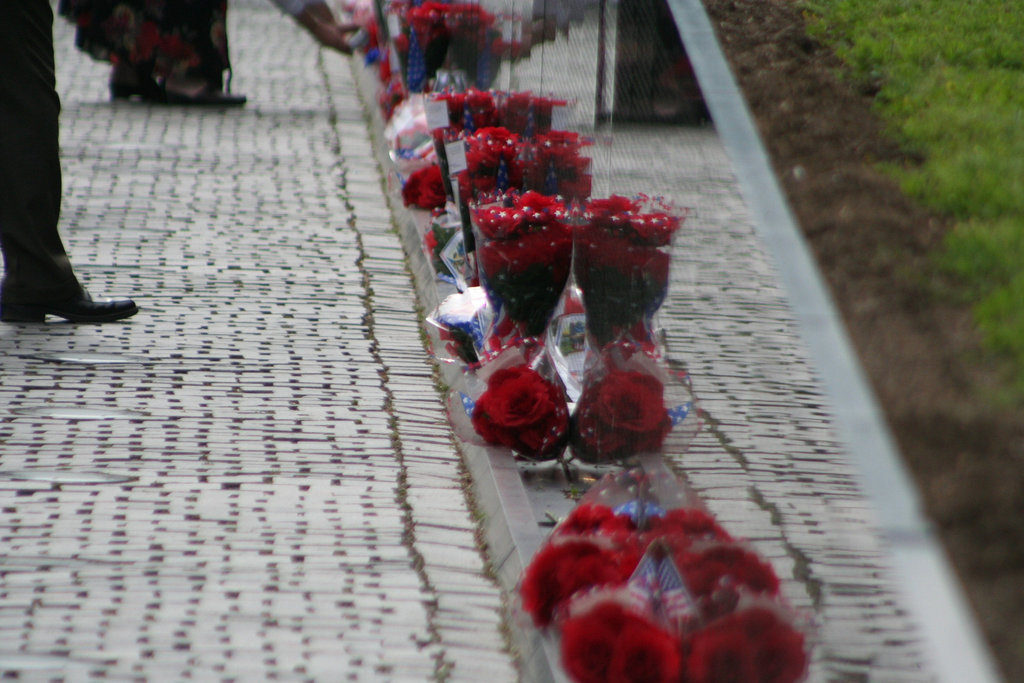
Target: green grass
{"x": 950, "y": 75}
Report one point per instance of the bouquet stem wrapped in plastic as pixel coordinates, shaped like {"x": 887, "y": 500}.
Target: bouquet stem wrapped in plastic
{"x": 514, "y": 400}
{"x": 641, "y": 583}
{"x": 631, "y": 405}
{"x": 523, "y": 254}
{"x": 622, "y": 254}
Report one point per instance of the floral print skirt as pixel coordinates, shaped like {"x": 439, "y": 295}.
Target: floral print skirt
{"x": 159, "y": 38}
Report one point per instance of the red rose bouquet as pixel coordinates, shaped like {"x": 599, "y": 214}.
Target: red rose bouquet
{"x": 526, "y": 114}
{"x": 629, "y": 404}
{"x": 621, "y": 414}
{"x": 611, "y": 642}
{"x": 641, "y": 583}
{"x": 460, "y": 36}
{"x": 425, "y": 40}
{"x": 424, "y": 188}
{"x": 475, "y": 42}
{"x": 755, "y": 644}
{"x": 523, "y": 252}
{"x": 492, "y": 163}
{"x": 524, "y": 411}
{"x": 514, "y": 401}
{"x": 554, "y": 165}
{"x": 470, "y": 110}
{"x": 621, "y": 263}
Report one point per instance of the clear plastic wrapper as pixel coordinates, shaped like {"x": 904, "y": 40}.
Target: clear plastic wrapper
{"x": 621, "y": 262}
{"x": 514, "y": 400}
{"x": 631, "y": 404}
{"x": 444, "y": 244}
{"x": 456, "y": 327}
{"x": 523, "y": 253}
{"x": 566, "y": 342}
{"x": 641, "y": 583}
{"x": 410, "y": 144}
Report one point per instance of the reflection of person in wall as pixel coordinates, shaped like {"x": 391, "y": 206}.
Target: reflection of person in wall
{"x": 654, "y": 81}
{"x": 177, "y": 52}
{"x": 38, "y": 279}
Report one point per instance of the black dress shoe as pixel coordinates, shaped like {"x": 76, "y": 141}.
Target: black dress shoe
{"x": 81, "y": 309}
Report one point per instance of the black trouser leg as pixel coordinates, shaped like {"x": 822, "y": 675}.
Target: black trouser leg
{"x": 37, "y": 268}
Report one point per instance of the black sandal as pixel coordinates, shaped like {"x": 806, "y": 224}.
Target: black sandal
{"x": 146, "y": 89}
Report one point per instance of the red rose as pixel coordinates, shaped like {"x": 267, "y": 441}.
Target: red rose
{"x": 619, "y": 415}
{"x": 720, "y": 656}
{"x": 644, "y": 653}
{"x": 524, "y": 253}
{"x": 716, "y": 575}
{"x": 587, "y": 518}
{"x": 588, "y": 643}
{"x": 424, "y": 188}
{"x": 561, "y": 569}
{"x": 752, "y": 645}
{"x": 623, "y": 283}
{"x": 696, "y": 525}
{"x": 487, "y": 151}
{"x": 523, "y": 411}
{"x": 610, "y": 644}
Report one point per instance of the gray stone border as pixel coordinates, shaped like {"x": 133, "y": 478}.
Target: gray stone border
{"x": 508, "y": 518}
{"x": 932, "y": 591}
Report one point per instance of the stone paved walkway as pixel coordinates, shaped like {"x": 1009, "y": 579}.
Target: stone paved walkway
{"x": 297, "y": 507}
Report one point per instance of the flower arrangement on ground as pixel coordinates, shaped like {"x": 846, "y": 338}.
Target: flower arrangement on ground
{"x": 492, "y": 163}
{"x": 629, "y": 404}
{"x": 621, "y": 263}
{"x": 527, "y": 114}
{"x": 458, "y": 36}
{"x": 514, "y": 400}
{"x": 523, "y": 253}
{"x": 424, "y": 188}
{"x": 641, "y": 583}
{"x": 554, "y": 164}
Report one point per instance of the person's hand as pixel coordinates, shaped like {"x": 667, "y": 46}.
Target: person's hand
{"x": 332, "y": 36}
{"x": 318, "y": 19}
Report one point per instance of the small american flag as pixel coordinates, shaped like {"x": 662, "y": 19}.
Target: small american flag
{"x": 467, "y": 402}
{"x": 551, "y": 179}
{"x": 416, "y": 72}
{"x": 467, "y": 118}
{"x": 679, "y": 413}
{"x": 657, "y": 585}
{"x": 502, "y": 180}
{"x": 531, "y": 123}
{"x": 483, "y": 68}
